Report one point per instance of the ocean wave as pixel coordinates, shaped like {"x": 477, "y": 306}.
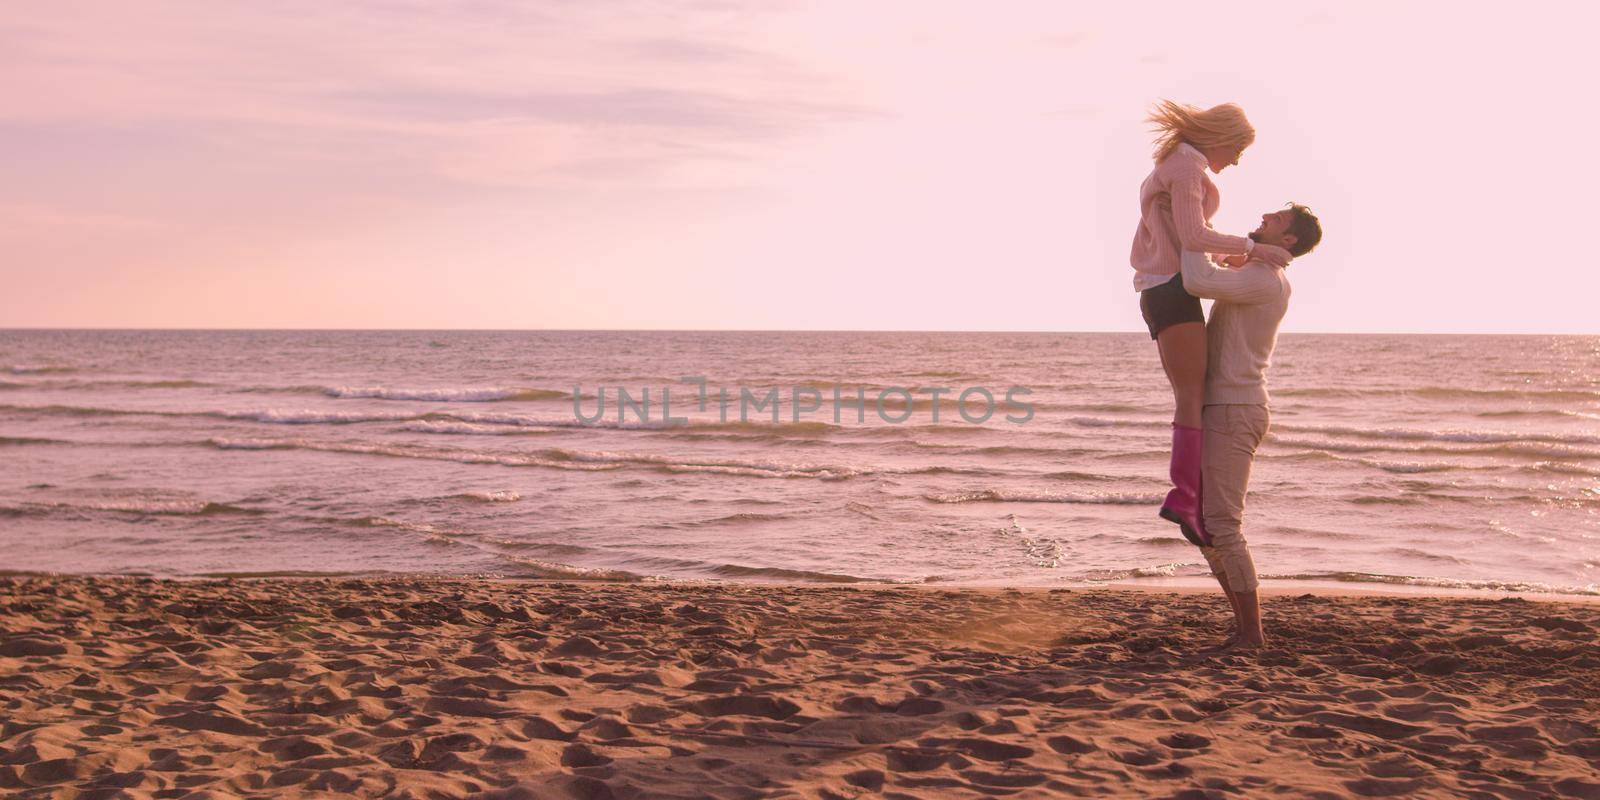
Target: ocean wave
{"x": 911, "y": 431}
{"x": 269, "y": 416}
{"x": 427, "y": 532}
{"x": 735, "y": 519}
{"x": 288, "y": 573}
{"x": 1040, "y": 552}
{"x": 444, "y": 395}
{"x": 165, "y": 383}
{"x": 869, "y": 396}
{"x": 387, "y": 522}
{"x": 458, "y": 428}
{"x": 1443, "y": 393}
{"x": 18, "y": 441}
{"x": 1564, "y": 468}
{"x": 943, "y": 373}
{"x": 695, "y": 569}
{"x": 781, "y": 574}
{"x": 553, "y": 459}
{"x": 805, "y": 431}
{"x": 548, "y": 548}
{"x": 1168, "y": 570}
{"x": 1421, "y": 467}
{"x": 311, "y": 416}
{"x": 1164, "y": 541}
{"x": 40, "y": 369}
{"x": 503, "y": 496}
{"x": 1543, "y": 413}
{"x": 1011, "y": 496}
{"x": 142, "y": 506}
{"x": 402, "y": 451}
{"x": 763, "y": 469}
{"x": 1021, "y": 450}
{"x": 1407, "y": 499}
{"x": 536, "y": 568}
{"x": 274, "y": 416}
{"x": 1440, "y": 583}
{"x": 1092, "y": 477}
{"x": 1528, "y": 449}
{"x": 1454, "y": 435}
{"x": 1424, "y": 555}
{"x": 1115, "y": 408}
{"x": 1113, "y": 422}
{"x": 289, "y": 389}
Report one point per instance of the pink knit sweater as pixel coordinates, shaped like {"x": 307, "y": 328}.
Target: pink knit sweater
{"x": 1159, "y": 242}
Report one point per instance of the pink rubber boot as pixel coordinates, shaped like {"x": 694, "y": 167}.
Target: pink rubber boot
{"x": 1183, "y": 502}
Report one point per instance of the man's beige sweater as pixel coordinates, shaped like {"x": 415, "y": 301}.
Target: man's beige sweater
{"x": 1243, "y": 327}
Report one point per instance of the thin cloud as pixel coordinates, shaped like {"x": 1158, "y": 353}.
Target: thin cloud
{"x": 692, "y": 51}
{"x": 634, "y": 107}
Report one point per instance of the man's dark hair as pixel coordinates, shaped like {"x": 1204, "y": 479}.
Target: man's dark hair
{"x": 1307, "y": 230}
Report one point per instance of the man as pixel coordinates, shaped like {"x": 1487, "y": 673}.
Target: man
{"x": 1240, "y": 335}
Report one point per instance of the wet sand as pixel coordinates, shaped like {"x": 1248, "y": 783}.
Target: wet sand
{"x": 452, "y": 688}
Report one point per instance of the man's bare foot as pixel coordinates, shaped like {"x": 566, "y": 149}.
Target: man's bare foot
{"x": 1233, "y": 638}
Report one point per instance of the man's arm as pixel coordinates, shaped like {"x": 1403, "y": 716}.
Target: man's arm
{"x": 1202, "y": 279}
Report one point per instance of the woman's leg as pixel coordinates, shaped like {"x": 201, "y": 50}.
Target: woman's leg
{"x": 1183, "y": 356}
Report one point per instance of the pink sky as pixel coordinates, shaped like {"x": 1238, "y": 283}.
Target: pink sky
{"x": 919, "y": 166}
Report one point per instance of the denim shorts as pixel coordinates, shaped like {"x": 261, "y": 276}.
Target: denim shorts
{"x": 1168, "y": 304}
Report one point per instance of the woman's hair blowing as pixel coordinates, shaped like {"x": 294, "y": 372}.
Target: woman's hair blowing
{"x": 1217, "y": 126}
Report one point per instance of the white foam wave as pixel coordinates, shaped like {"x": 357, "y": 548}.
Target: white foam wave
{"x": 137, "y": 505}
{"x": 506, "y": 496}
{"x": 1531, "y": 587}
{"x": 1011, "y": 496}
{"x": 277, "y": 416}
{"x": 532, "y": 567}
{"x": 1169, "y": 570}
{"x": 455, "y": 427}
{"x": 762, "y": 469}
{"x": 1532, "y": 449}
{"x": 553, "y": 459}
{"x": 1448, "y": 435}
{"x": 309, "y": 416}
{"x": 443, "y": 395}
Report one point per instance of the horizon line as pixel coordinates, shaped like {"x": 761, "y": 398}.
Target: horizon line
{"x": 747, "y": 330}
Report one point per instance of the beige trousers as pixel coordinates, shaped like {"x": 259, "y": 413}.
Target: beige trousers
{"x": 1232, "y": 434}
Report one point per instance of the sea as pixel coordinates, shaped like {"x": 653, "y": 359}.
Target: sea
{"x": 1439, "y": 462}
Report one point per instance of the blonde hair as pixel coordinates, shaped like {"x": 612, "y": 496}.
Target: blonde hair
{"x": 1218, "y": 126}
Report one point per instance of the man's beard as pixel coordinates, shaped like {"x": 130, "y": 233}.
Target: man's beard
{"x": 1255, "y": 236}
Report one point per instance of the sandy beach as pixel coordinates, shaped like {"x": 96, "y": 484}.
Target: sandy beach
{"x": 123, "y": 687}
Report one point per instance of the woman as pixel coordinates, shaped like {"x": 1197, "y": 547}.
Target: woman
{"x": 1177, "y": 201}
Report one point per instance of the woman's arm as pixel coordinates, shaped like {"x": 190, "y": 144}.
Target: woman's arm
{"x": 1189, "y": 219}
{"x": 1276, "y": 256}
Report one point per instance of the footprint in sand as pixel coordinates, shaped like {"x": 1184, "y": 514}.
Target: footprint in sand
{"x": 1070, "y": 745}
{"x": 1379, "y": 787}
{"x": 985, "y": 749}
{"x": 1186, "y": 741}
{"x": 582, "y": 755}
{"x": 748, "y": 705}
{"x": 1137, "y": 758}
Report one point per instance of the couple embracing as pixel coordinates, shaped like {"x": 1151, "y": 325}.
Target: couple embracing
{"x": 1217, "y": 369}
